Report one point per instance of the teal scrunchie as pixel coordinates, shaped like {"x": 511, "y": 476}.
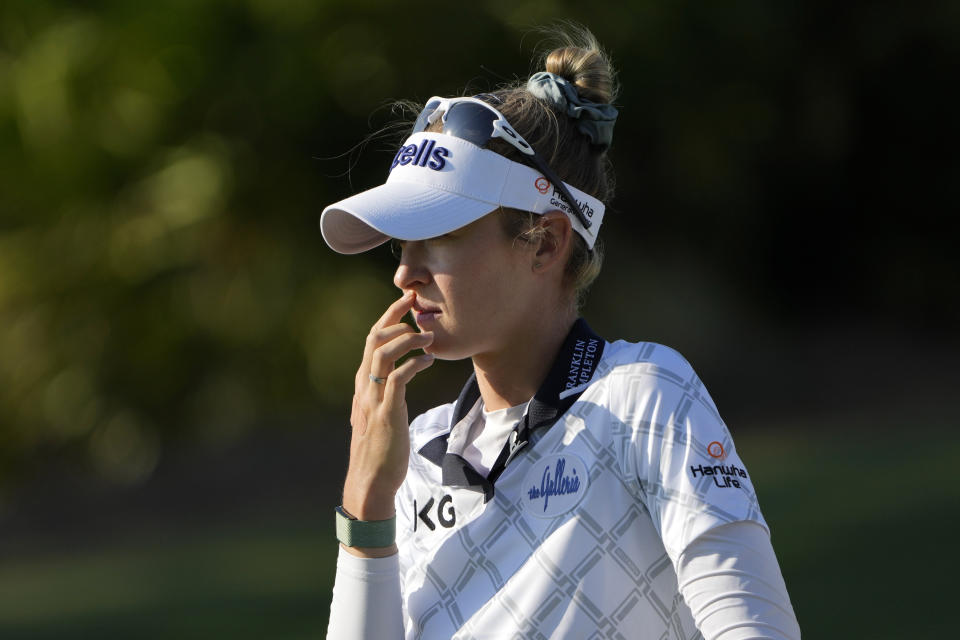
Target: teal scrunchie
{"x": 594, "y": 119}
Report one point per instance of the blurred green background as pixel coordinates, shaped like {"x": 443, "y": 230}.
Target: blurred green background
{"x": 177, "y": 344}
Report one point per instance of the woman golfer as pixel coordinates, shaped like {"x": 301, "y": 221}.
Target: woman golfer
{"x": 578, "y": 487}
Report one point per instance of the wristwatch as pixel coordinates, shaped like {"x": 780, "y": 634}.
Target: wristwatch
{"x": 365, "y": 533}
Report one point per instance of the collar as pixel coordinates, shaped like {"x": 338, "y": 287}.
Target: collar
{"x": 568, "y": 377}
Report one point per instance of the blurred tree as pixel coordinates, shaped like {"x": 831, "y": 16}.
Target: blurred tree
{"x": 163, "y": 168}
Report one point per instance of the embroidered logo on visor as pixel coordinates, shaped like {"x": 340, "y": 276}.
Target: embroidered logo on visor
{"x": 425, "y": 154}
{"x": 555, "y": 485}
{"x": 556, "y": 199}
{"x": 542, "y": 185}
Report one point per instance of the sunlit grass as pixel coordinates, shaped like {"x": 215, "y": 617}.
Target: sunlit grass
{"x": 244, "y": 582}
{"x": 862, "y": 523}
{"x": 863, "y": 519}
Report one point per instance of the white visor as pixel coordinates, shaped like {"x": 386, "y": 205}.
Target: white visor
{"x": 439, "y": 183}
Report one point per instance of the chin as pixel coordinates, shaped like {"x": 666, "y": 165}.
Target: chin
{"x": 446, "y": 348}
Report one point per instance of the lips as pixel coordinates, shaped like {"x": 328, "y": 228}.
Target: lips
{"x": 424, "y": 314}
{"x": 425, "y": 308}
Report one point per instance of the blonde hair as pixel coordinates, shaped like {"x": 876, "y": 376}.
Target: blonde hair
{"x": 579, "y": 59}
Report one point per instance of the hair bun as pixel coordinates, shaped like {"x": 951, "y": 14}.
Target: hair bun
{"x": 587, "y": 68}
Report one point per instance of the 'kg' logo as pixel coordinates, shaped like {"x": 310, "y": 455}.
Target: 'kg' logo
{"x": 446, "y": 515}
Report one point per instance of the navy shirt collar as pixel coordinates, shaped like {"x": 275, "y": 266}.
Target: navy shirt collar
{"x": 567, "y": 378}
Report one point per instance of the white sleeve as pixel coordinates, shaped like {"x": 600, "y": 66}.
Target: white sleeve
{"x": 681, "y": 461}
{"x": 730, "y": 579}
{"x": 366, "y": 601}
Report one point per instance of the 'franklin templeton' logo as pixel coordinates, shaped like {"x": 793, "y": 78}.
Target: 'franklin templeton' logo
{"x": 581, "y": 362}
{"x": 555, "y": 485}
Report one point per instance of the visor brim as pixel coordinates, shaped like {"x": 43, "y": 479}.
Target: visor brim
{"x": 402, "y": 210}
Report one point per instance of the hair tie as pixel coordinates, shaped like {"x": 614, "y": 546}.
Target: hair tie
{"x": 594, "y": 119}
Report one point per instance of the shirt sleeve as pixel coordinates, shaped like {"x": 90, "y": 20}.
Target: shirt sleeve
{"x": 730, "y": 579}
{"x": 366, "y": 601}
{"x": 681, "y": 461}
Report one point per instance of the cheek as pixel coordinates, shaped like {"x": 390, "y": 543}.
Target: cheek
{"x": 490, "y": 295}
{"x": 471, "y": 299}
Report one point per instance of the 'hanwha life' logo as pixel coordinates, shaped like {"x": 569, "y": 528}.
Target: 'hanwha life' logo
{"x": 555, "y": 485}
{"x": 542, "y": 184}
{"x": 715, "y": 449}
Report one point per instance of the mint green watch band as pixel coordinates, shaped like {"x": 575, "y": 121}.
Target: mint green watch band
{"x": 365, "y": 533}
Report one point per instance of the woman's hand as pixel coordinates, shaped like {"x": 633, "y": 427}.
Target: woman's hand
{"x": 380, "y": 445}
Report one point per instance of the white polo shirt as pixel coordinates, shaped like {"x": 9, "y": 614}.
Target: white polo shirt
{"x": 577, "y": 535}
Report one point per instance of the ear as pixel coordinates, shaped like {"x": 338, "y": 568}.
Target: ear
{"x": 555, "y": 243}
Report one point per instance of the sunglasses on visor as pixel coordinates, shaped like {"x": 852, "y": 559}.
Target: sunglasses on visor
{"x": 475, "y": 121}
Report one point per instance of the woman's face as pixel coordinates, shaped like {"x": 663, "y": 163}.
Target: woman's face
{"x": 474, "y": 288}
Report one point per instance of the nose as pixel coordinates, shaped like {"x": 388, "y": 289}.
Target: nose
{"x": 411, "y": 273}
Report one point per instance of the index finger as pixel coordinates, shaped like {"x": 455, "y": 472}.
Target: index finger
{"x": 396, "y": 311}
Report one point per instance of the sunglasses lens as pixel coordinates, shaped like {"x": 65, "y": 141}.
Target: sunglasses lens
{"x": 470, "y": 122}
{"x": 474, "y": 123}
{"x": 423, "y": 119}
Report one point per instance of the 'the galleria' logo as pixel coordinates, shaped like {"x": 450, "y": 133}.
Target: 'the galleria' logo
{"x": 555, "y": 485}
